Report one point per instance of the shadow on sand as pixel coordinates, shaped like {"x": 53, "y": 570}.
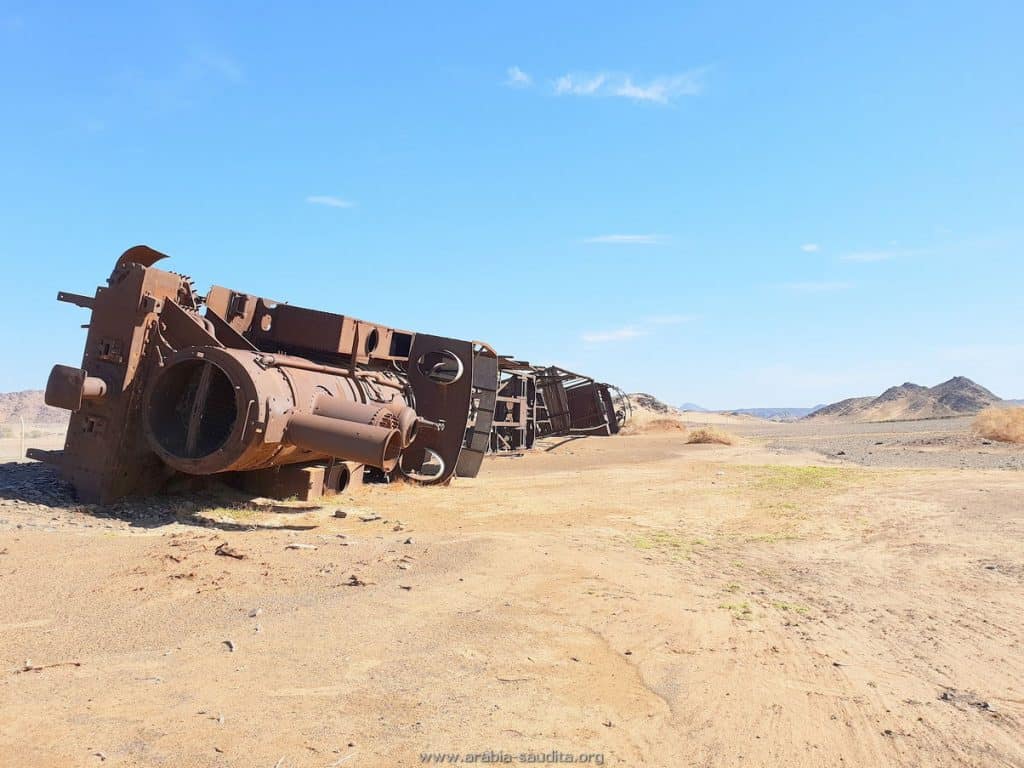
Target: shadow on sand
{"x": 37, "y": 485}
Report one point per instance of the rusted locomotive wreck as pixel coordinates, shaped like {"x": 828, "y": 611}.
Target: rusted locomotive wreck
{"x": 537, "y": 401}
{"x": 280, "y": 400}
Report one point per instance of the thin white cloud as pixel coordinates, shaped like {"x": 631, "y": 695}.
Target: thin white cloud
{"x": 618, "y": 334}
{"x": 662, "y": 90}
{"x": 516, "y": 78}
{"x": 579, "y": 85}
{"x": 882, "y": 254}
{"x": 330, "y": 201}
{"x": 658, "y": 90}
{"x": 824, "y": 286}
{"x": 207, "y": 62}
{"x": 810, "y": 247}
{"x": 199, "y": 75}
{"x": 625, "y": 239}
{"x": 635, "y": 330}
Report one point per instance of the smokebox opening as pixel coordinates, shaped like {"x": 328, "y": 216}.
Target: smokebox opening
{"x": 192, "y": 409}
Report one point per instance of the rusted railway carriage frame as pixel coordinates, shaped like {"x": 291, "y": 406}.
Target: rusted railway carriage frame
{"x": 549, "y": 401}
{"x": 515, "y": 417}
{"x": 576, "y": 404}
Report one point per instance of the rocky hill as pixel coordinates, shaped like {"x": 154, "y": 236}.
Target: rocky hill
{"x": 29, "y": 405}
{"x": 957, "y": 397}
{"x": 646, "y": 402}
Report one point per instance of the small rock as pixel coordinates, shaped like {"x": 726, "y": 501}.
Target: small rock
{"x": 230, "y": 645}
{"x": 300, "y": 546}
{"x": 369, "y": 518}
{"x": 340, "y": 513}
{"x": 408, "y": 541}
{"x": 255, "y": 612}
{"x": 355, "y": 581}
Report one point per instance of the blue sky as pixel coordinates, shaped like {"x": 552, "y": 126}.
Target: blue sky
{"x": 737, "y": 204}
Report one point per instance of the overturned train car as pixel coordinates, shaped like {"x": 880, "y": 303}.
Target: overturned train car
{"x": 277, "y": 399}
{"x": 547, "y": 401}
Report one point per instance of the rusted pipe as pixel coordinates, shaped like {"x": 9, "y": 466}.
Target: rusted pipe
{"x": 93, "y": 388}
{"x": 348, "y": 440}
{"x": 288, "y": 361}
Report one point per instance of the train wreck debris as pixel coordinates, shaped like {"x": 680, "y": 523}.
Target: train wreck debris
{"x": 286, "y": 401}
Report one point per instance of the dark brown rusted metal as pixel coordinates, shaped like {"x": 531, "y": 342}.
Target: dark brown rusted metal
{"x": 284, "y": 400}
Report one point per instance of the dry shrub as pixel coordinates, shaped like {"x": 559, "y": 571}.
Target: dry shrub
{"x": 664, "y": 425}
{"x": 643, "y": 422}
{"x": 709, "y": 435}
{"x": 1003, "y": 424}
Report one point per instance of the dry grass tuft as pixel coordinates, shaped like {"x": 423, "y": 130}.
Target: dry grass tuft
{"x": 708, "y": 435}
{"x": 1003, "y": 424}
{"x": 643, "y": 423}
{"x": 665, "y": 425}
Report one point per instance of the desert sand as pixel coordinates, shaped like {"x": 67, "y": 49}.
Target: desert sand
{"x": 634, "y": 598}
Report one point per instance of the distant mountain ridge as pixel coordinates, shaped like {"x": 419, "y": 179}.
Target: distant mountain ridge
{"x": 30, "y": 406}
{"x": 957, "y": 397}
{"x": 771, "y": 414}
{"x": 777, "y": 414}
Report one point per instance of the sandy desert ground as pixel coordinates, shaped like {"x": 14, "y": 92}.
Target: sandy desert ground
{"x": 639, "y": 599}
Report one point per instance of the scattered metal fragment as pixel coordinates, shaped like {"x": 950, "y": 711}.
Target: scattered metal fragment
{"x": 230, "y": 644}
{"x": 355, "y": 581}
{"x": 295, "y": 545}
{"x": 28, "y": 666}
{"x": 224, "y": 550}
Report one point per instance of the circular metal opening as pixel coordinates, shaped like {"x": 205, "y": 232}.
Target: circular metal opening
{"x": 440, "y": 366}
{"x": 338, "y": 478}
{"x": 372, "y": 340}
{"x": 192, "y": 409}
{"x": 431, "y": 468}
